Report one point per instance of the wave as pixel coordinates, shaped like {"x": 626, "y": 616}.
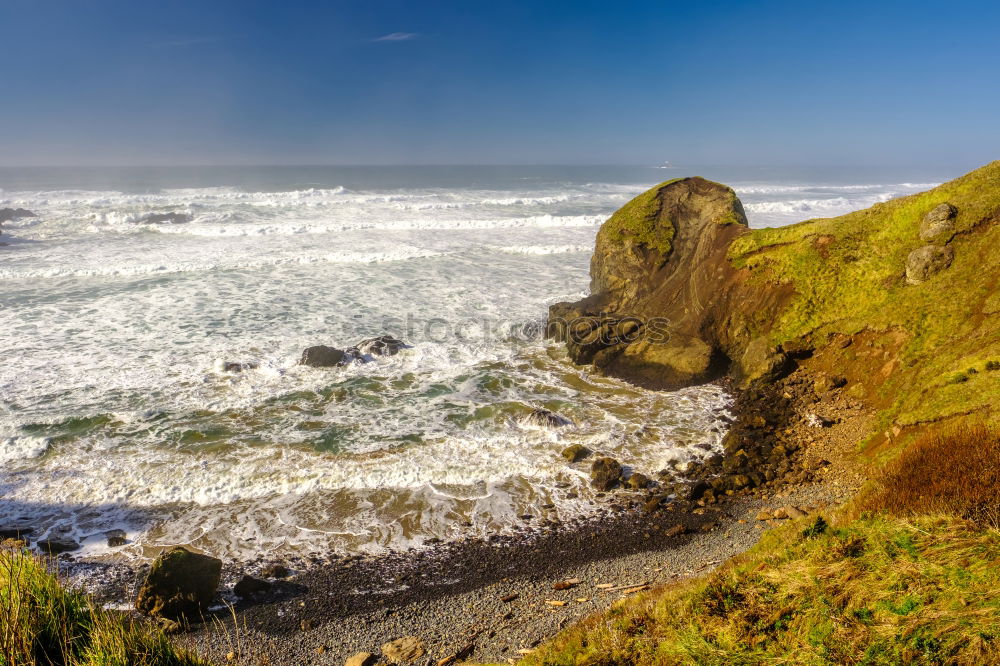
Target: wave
{"x": 545, "y": 249}
{"x": 193, "y": 266}
{"x": 295, "y": 228}
{"x": 814, "y": 205}
{"x": 22, "y": 448}
{"x": 786, "y": 189}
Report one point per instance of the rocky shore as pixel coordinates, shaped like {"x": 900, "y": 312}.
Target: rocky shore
{"x": 496, "y": 599}
{"x": 683, "y": 293}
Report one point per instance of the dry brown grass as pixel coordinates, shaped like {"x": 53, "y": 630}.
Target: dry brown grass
{"x": 955, "y": 473}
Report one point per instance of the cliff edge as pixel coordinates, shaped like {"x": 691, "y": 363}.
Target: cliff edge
{"x": 902, "y": 298}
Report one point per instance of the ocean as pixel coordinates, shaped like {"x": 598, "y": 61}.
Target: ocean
{"x": 115, "y": 412}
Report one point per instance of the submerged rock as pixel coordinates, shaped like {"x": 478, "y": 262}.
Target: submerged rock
{"x": 8, "y": 214}
{"x": 575, "y": 452}
{"x": 57, "y": 545}
{"x": 321, "y": 356}
{"x": 605, "y": 473}
{"x": 235, "y": 366}
{"x": 544, "y": 418}
{"x": 384, "y": 345}
{"x": 926, "y": 261}
{"x": 180, "y": 585}
{"x": 938, "y": 226}
{"x": 115, "y": 538}
{"x": 166, "y": 218}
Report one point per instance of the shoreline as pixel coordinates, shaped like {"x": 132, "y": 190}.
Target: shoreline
{"x": 451, "y": 594}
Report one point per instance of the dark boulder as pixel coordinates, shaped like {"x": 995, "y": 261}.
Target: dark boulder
{"x": 605, "y": 473}
{"x": 166, "y": 218}
{"x": 180, "y": 585}
{"x": 638, "y": 481}
{"x": 15, "y": 531}
{"x": 115, "y": 538}
{"x": 544, "y": 418}
{"x": 575, "y": 452}
{"x": 235, "y": 366}
{"x": 384, "y": 345}
{"x": 276, "y": 571}
{"x": 57, "y": 545}
{"x": 249, "y": 587}
{"x": 321, "y": 356}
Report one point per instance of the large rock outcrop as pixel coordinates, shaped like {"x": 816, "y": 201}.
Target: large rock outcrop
{"x": 683, "y": 291}
{"x": 660, "y": 309}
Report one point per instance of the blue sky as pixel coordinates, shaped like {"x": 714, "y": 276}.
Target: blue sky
{"x": 177, "y": 82}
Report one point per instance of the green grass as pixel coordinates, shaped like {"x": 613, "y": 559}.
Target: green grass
{"x": 639, "y": 222}
{"x": 41, "y": 622}
{"x": 876, "y": 591}
{"x": 642, "y": 221}
{"x": 852, "y": 281}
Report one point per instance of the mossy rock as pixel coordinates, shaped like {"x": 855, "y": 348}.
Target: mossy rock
{"x": 180, "y": 585}
{"x": 575, "y": 452}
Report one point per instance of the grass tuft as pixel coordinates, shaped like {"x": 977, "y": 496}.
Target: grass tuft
{"x": 639, "y": 222}
{"x": 41, "y": 622}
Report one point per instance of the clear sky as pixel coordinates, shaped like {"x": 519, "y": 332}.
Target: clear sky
{"x": 514, "y": 82}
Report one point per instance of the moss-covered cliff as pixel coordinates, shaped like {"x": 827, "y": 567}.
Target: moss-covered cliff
{"x": 919, "y": 274}
{"x": 896, "y": 306}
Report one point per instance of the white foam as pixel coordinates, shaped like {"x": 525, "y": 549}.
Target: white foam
{"x": 742, "y": 189}
{"x": 22, "y": 448}
{"x": 113, "y": 327}
{"x": 141, "y": 269}
{"x": 545, "y": 249}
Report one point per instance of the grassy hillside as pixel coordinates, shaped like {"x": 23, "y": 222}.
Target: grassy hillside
{"x": 906, "y": 572}
{"x": 848, "y": 276}
{"x": 875, "y": 591}
{"x": 42, "y": 622}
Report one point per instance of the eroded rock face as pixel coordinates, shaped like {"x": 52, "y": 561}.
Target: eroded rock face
{"x": 926, "y": 261}
{"x": 180, "y": 585}
{"x": 938, "y": 226}
{"x": 666, "y": 318}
